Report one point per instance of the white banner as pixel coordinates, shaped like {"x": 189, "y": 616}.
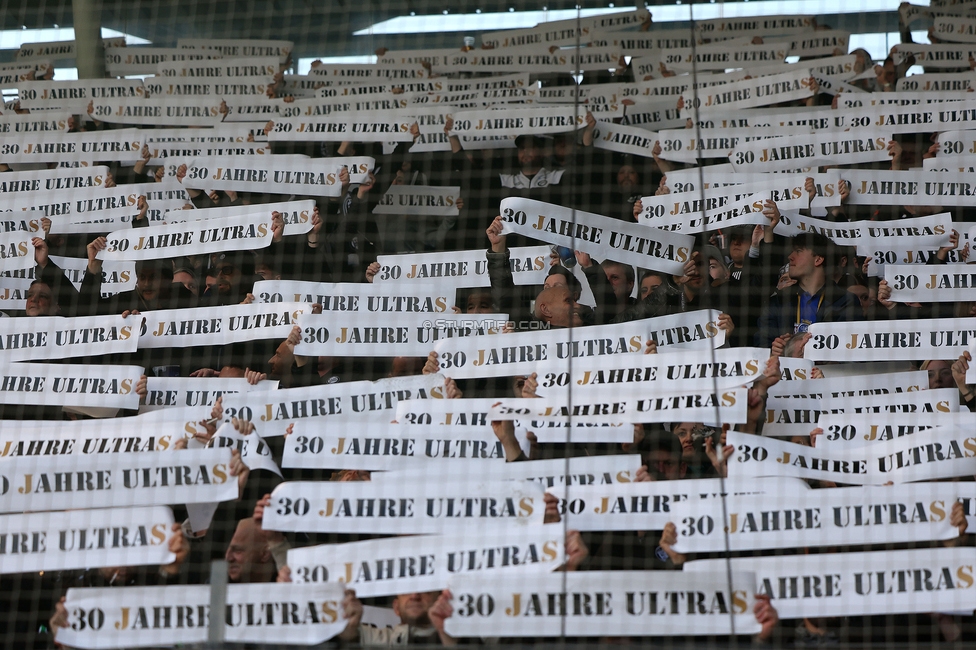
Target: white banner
{"x": 160, "y": 110}
{"x": 179, "y": 328}
{"x": 85, "y": 539}
{"x": 254, "y": 451}
{"x": 647, "y": 506}
{"x": 59, "y": 50}
{"x": 850, "y": 430}
{"x": 829, "y": 517}
{"x": 915, "y": 283}
{"x": 575, "y": 471}
{"x": 750, "y": 93}
{"x": 47, "y": 180}
{"x": 131, "y": 617}
{"x": 520, "y": 352}
{"x": 795, "y": 369}
{"x": 419, "y": 199}
{"x": 910, "y": 187}
{"x": 559, "y": 433}
{"x": 461, "y": 269}
{"x": 41, "y": 338}
{"x": 286, "y": 175}
{"x": 239, "y": 47}
{"x": 391, "y": 448}
{"x": 729, "y": 406}
{"x": 791, "y": 417}
{"x": 89, "y": 209}
{"x": 821, "y": 148}
{"x": 941, "y": 55}
{"x": 917, "y": 231}
{"x": 12, "y": 123}
{"x": 228, "y": 68}
{"x": 624, "y": 139}
{"x": 357, "y": 401}
{"x": 602, "y": 237}
{"x": 120, "y": 145}
{"x": 852, "y": 385}
{"x": 17, "y": 251}
{"x": 413, "y": 335}
{"x": 934, "y": 338}
{"x": 75, "y": 95}
{"x": 116, "y": 276}
{"x": 362, "y": 126}
{"x": 820, "y": 43}
{"x": 598, "y": 603}
{"x": 859, "y": 584}
{"x": 726, "y": 28}
{"x": 386, "y": 567}
{"x": 466, "y": 412}
{"x": 563, "y": 32}
{"x": 96, "y": 437}
{"x": 13, "y": 292}
{"x": 395, "y": 508}
{"x": 665, "y": 372}
{"x": 171, "y": 392}
{"x": 297, "y": 215}
{"x": 935, "y": 453}
{"x": 949, "y": 81}
{"x": 116, "y": 480}
{"x": 245, "y": 232}
{"x": 955, "y": 29}
{"x": 534, "y": 59}
{"x": 353, "y": 73}
{"x": 519, "y": 121}
{"x": 428, "y": 297}
{"x": 688, "y": 217}
{"x": 69, "y": 385}
{"x": 144, "y": 60}
{"x": 723, "y": 56}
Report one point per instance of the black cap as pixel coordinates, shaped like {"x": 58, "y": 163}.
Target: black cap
{"x": 242, "y": 260}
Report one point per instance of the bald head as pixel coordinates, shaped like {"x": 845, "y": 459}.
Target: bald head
{"x": 249, "y": 555}
{"x": 556, "y": 306}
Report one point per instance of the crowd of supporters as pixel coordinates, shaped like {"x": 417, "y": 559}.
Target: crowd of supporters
{"x": 768, "y": 288}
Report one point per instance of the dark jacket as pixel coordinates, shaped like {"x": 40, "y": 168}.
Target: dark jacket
{"x": 779, "y": 315}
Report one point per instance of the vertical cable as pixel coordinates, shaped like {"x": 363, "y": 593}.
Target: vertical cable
{"x": 705, "y": 283}
{"x": 569, "y": 368}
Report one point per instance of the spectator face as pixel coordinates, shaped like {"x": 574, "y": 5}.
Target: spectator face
{"x": 940, "y": 375}
{"x": 248, "y": 555}
{"x": 187, "y": 280}
{"x": 479, "y": 303}
{"x": 563, "y": 311}
{"x": 266, "y": 272}
{"x": 863, "y": 295}
{"x": 738, "y": 249}
{"x": 530, "y": 155}
{"x": 149, "y": 284}
{"x": 802, "y": 263}
{"x": 663, "y": 466}
{"x": 406, "y": 366}
{"x": 683, "y": 431}
{"x": 412, "y": 608}
{"x": 618, "y": 280}
{"x": 228, "y": 277}
{"x": 627, "y": 178}
{"x": 718, "y": 274}
{"x": 556, "y": 280}
{"x": 41, "y": 300}
{"x": 649, "y": 284}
